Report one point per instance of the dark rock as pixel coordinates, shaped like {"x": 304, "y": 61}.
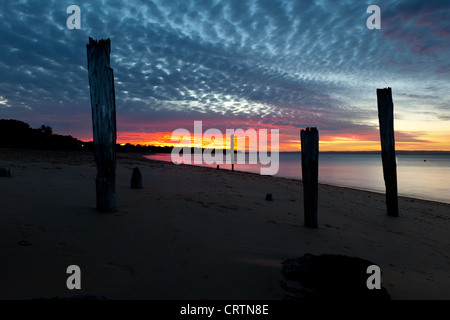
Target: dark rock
{"x": 269, "y": 197}
{"x": 136, "y": 179}
{"x": 329, "y": 277}
{"x": 4, "y": 172}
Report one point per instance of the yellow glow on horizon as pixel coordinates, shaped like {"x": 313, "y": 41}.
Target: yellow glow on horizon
{"x": 347, "y": 144}
{"x": 431, "y": 140}
{"x": 422, "y": 125}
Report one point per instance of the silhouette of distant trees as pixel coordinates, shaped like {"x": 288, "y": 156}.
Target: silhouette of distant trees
{"x": 128, "y": 147}
{"x": 46, "y": 130}
{"x": 18, "y": 134}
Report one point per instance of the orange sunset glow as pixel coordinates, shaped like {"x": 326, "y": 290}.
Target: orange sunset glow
{"x": 290, "y": 141}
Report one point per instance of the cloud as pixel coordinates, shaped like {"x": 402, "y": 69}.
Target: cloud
{"x": 423, "y": 26}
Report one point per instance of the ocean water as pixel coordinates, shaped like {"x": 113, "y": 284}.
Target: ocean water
{"x": 419, "y": 175}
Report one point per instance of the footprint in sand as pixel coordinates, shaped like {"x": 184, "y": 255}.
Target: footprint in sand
{"x": 185, "y": 263}
{"x": 24, "y": 226}
{"x": 66, "y": 251}
{"x": 421, "y": 272}
{"x": 25, "y": 230}
{"x": 228, "y": 207}
{"x": 330, "y": 226}
{"x": 121, "y": 267}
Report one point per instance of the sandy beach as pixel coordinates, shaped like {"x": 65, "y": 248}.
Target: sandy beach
{"x": 199, "y": 233}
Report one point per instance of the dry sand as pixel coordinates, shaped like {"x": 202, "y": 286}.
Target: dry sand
{"x": 198, "y": 233}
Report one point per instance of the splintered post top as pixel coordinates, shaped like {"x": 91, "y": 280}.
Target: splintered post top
{"x": 100, "y": 50}
{"x": 313, "y": 129}
{"x": 385, "y": 91}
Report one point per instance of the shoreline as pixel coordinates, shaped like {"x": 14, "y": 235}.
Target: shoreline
{"x": 199, "y": 233}
{"x": 320, "y": 183}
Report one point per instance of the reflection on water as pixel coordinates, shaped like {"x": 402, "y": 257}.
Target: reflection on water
{"x": 421, "y": 176}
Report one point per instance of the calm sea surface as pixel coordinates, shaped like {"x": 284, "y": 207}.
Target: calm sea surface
{"x": 420, "y": 175}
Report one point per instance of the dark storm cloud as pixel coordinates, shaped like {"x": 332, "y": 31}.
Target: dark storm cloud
{"x": 283, "y": 63}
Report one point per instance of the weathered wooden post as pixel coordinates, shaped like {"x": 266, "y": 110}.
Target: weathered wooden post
{"x": 136, "y": 179}
{"x": 103, "y": 103}
{"x": 310, "y": 174}
{"x": 386, "y": 118}
{"x": 232, "y": 152}
{"x": 5, "y": 172}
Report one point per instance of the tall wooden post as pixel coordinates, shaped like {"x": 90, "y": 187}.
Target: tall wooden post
{"x": 310, "y": 172}
{"x": 232, "y": 152}
{"x": 386, "y": 118}
{"x": 103, "y": 103}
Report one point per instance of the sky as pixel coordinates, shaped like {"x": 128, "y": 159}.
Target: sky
{"x": 250, "y": 64}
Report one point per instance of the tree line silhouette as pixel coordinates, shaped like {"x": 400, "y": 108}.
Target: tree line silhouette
{"x": 18, "y": 134}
